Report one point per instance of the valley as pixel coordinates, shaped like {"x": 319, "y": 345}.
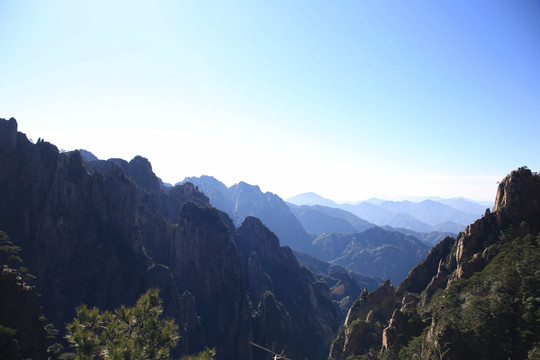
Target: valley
{"x": 236, "y": 266}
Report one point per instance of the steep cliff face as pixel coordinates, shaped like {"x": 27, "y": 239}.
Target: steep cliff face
{"x": 205, "y": 263}
{"x": 364, "y": 322}
{"x": 294, "y": 311}
{"x": 472, "y": 297}
{"x": 78, "y": 230}
{"x": 242, "y": 200}
{"x": 103, "y": 232}
{"x": 60, "y": 214}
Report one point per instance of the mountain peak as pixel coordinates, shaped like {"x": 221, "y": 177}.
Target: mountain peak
{"x": 518, "y": 189}
{"x": 87, "y": 155}
{"x": 311, "y": 198}
{"x": 499, "y": 250}
{"x": 245, "y": 185}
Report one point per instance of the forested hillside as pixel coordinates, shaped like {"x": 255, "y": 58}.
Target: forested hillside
{"x": 474, "y": 297}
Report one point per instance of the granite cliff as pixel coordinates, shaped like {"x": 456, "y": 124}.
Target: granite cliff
{"x": 103, "y": 232}
{"x": 357, "y": 245}
{"x": 242, "y": 200}
{"x": 294, "y": 311}
{"x": 477, "y": 296}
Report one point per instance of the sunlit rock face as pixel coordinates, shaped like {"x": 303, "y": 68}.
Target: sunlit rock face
{"x": 443, "y": 277}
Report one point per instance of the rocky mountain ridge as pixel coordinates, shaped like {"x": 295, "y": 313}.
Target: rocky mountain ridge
{"x": 242, "y": 200}
{"x": 363, "y": 247}
{"x": 456, "y": 303}
{"x": 345, "y": 285}
{"x": 103, "y": 232}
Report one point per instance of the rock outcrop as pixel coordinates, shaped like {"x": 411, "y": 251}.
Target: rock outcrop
{"x": 242, "y": 200}
{"x": 288, "y": 296}
{"x": 78, "y": 230}
{"x": 101, "y": 232}
{"x": 426, "y": 317}
{"x": 363, "y": 325}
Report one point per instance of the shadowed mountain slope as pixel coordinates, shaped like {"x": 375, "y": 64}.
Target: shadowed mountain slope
{"x": 103, "y": 232}
{"x": 344, "y": 239}
{"x": 242, "y": 200}
{"x": 345, "y": 285}
{"x": 295, "y": 312}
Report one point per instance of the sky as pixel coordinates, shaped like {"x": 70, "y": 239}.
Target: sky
{"x": 347, "y": 99}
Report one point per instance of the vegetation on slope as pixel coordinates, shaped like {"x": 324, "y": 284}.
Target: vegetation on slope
{"x": 127, "y": 333}
{"x": 23, "y": 332}
{"x": 494, "y": 314}
{"x": 474, "y": 297}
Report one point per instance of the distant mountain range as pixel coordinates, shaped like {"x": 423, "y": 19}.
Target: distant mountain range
{"x": 473, "y": 297}
{"x": 374, "y": 252}
{"x": 103, "y": 232}
{"x": 445, "y": 215}
{"x": 316, "y": 229}
{"x": 318, "y": 219}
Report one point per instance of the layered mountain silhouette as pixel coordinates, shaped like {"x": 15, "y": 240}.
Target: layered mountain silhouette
{"x": 374, "y": 252}
{"x": 102, "y": 232}
{"x": 473, "y": 297}
{"x": 327, "y": 227}
{"x": 310, "y": 198}
{"x": 318, "y": 219}
{"x": 242, "y": 200}
{"x": 443, "y": 215}
{"x": 430, "y": 238}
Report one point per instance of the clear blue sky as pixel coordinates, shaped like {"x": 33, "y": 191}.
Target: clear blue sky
{"x": 349, "y": 99}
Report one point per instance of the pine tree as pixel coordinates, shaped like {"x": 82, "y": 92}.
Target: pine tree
{"x": 127, "y": 333}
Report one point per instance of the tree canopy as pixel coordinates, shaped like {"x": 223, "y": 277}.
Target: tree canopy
{"x": 134, "y": 333}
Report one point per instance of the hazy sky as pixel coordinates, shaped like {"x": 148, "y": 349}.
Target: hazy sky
{"x": 349, "y": 99}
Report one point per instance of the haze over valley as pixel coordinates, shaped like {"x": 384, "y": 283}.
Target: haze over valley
{"x": 252, "y": 180}
{"x": 244, "y": 272}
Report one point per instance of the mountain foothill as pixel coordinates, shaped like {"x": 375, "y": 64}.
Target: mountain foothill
{"x": 244, "y": 272}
